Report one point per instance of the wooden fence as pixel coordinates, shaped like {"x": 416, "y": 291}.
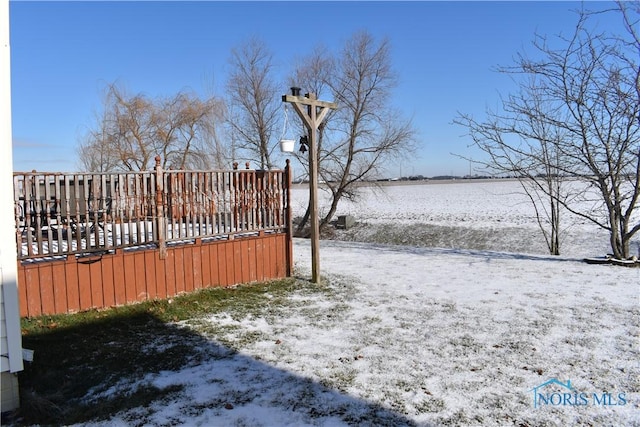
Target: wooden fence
{"x": 93, "y": 240}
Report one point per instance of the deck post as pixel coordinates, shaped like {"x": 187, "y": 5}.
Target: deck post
{"x": 286, "y": 181}
{"x": 160, "y": 222}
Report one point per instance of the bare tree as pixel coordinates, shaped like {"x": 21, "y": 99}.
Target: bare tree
{"x": 132, "y": 131}
{"x": 312, "y": 71}
{"x": 95, "y": 154}
{"x": 585, "y": 96}
{"x": 366, "y": 131}
{"x": 253, "y": 101}
{"x": 521, "y": 143}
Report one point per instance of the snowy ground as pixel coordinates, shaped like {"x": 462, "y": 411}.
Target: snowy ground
{"x": 408, "y": 335}
{"x": 483, "y": 214}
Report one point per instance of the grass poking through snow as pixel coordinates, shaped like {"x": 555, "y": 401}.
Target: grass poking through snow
{"x": 90, "y": 353}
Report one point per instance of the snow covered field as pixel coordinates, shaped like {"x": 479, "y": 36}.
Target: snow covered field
{"x": 482, "y": 214}
{"x": 417, "y": 335}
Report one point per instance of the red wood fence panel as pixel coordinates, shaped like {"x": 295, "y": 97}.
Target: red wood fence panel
{"x": 71, "y": 284}
{"x": 73, "y": 290}
{"x": 118, "y": 279}
{"x": 108, "y": 284}
{"x": 59, "y": 289}
{"x": 150, "y": 275}
{"x": 101, "y": 240}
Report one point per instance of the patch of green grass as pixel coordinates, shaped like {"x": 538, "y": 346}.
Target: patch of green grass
{"x": 444, "y": 236}
{"x": 340, "y": 379}
{"x": 430, "y": 405}
{"x": 104, "y": 352}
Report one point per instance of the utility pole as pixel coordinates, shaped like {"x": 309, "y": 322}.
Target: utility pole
{"x": 312, "y": 117}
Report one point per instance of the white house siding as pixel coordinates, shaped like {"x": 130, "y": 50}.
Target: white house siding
{"x": 9, "y": 380}
{"x": 10, "y": 338}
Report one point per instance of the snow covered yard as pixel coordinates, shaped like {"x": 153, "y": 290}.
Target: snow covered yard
{"x": 409, "y": 335}
{"x": 455, "y": 337}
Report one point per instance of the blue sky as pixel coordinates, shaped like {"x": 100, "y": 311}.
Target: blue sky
{"x": 63, "y": 54}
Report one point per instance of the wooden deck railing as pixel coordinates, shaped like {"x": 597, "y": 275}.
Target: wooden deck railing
{"x": 58, "y": 215}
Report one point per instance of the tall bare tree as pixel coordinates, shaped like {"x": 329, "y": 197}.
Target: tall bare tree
{"x": 94, "y": 153}
{"x": 366, "y": 131}
{"x": 133, "y": 130}
{"x": 254, "y": 106}
{"x": 312, "y": 71}
{"x": 521, "y": 143}
{"x": 585, "y": 95}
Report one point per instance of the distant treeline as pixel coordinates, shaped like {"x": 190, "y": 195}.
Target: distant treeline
{"x": 439, "y": 178}
{"x": 421, "y": 178}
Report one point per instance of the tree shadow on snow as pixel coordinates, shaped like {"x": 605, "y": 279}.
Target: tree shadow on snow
{"x": 484, "y": 254}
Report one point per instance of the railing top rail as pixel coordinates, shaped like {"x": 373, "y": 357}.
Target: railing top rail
{"x": 220, "y": 170}
{"x": 38, "y": 173}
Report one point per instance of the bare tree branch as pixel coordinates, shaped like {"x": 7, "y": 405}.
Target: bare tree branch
{"x": 133, "y": 130}
{"x": 576, "y": 117}
{"x": 253, "y": 100}
{"x": 365, "y": 132}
